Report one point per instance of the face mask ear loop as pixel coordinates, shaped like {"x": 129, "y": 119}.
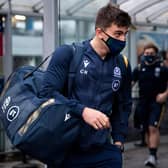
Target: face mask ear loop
{"x": 103, "y": 40}
{"x": 105, "y": 33}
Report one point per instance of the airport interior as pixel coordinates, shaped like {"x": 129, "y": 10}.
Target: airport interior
{"x": 30, "y": 30}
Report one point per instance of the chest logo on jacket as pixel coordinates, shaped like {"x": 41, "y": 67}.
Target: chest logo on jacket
{"x": 143, "y": 69}
{"x": 84, "y": 69}
{"x": 117, "y": 72}
{"x": 157, "y": 72}
{"x": 116, "y": 79}
{"x": 86, "y": 63}
{"x": 115, "y": 85}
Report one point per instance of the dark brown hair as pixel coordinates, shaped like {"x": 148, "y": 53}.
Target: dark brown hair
{"x": 151, "y": 45}
{"x": 110, "y": 14}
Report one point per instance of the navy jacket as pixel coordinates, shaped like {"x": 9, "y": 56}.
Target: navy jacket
{"x": 152, "y": 79}
{"x": 96, "y": 84}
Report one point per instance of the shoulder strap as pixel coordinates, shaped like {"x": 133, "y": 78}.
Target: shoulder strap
{"x": 78, "y": 50}
{"x": 125, "y": 60}
{"x": 37, "y": 67}
{"x": 122, "y": 62}
{"x": 139, "y": 67}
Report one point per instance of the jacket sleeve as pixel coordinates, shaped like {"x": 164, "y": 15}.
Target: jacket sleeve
{"x": 122, "y": 109}
{"x": 55, "y": 78}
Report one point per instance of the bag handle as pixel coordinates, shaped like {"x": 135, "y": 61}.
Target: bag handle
{"x": 37, "y": 67}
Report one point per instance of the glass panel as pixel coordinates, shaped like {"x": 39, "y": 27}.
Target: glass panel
{"x": 132, "y": 4}
{"x": 27, "y": 40}
{"x": 68, "y": 31}
{"x": 88, "y": 8}
{"x": 150, "y": 11}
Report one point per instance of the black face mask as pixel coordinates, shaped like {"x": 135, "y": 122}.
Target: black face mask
{"x": 115, "y": 46}
{"x": 150, "y": 59}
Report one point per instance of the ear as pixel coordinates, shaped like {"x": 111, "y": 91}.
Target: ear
{"x": 99, "y": 33}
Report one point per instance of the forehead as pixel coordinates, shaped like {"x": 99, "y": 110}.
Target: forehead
{"x": 113, "y": 27}
{"x": 149, "y": 50}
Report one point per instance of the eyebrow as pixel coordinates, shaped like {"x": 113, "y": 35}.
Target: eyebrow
{"x": 149, "y": 52}
{"x": 119, "y": 31}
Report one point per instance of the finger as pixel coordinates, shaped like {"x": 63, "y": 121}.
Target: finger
{"x": 95, "y": 126}
{"x": 106, "y": 121}
{"x": 99, "y": 124}
{"x": 102, "y": 122}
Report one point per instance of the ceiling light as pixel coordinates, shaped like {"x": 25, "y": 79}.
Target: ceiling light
{"x": 20, "y": 17}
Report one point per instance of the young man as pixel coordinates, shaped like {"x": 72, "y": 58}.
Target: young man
{"x": 152, "y": 78}
{"x": 99, "y": 82}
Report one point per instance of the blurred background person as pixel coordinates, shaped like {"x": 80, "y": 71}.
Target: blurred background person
{"x": 165, "y": 59}
{"x": 152, "y": 78}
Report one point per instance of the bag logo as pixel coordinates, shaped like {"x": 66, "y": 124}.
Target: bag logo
{"x": 117, "y": 72}
{"x": 6, "y": 104}
{"x": 115, "y": 85}
{"x": 12, "y": 113}
{"x": 67, "y": 117}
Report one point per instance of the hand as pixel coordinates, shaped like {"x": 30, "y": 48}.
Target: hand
{"x": 119, "y": 145}
{"x": 161, "y": 97}
{"x": 95, "y": 118}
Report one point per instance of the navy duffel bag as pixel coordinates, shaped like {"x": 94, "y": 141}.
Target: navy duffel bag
{"x": 43, "y": 128}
